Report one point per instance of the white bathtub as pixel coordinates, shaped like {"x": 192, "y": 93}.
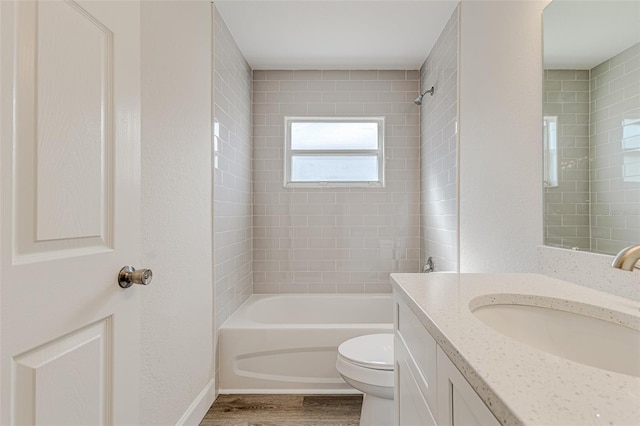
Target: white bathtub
{"x": 288, "y": 343}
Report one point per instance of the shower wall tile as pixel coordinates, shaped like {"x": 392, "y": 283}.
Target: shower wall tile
{"x": 615, "y": 160}
{"x": 334, "y": 240}
{"x": 596, "y": 204}
{"x": 438, "y": 153}
{"x": 232, "y": 174}
{"x": 566, "y": 207}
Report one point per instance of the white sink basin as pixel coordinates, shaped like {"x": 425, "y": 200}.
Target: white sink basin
{"x": 573, "y": 336}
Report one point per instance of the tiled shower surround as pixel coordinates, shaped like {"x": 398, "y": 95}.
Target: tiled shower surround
{"x": 328, "y": 240}
{"x": 615, "y": 117}
{"x": 566, "y": 207}
{"x": 232, "y": 174}
{"x": 595, "y": 206}
{"x": 439, "y": 147}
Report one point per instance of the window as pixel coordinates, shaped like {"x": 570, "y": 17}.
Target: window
{"x": 631, "y": 150}
{"x": 550, "y": 151}
{"x": 334, "y": 151}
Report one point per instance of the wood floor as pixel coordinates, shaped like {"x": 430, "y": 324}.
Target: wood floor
{"x": 284, "y": 410}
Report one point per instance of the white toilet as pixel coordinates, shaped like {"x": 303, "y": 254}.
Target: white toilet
{"x": 366, "y": 363}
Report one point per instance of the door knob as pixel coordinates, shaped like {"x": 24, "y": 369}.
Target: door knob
{"x": 129, "y": 276}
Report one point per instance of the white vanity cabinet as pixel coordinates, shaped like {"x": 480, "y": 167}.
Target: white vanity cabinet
{"x": 429, "y": 389}
{"x": 415, "y": 369}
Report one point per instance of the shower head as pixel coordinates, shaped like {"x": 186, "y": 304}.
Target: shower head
{"x": 418, "y": 100}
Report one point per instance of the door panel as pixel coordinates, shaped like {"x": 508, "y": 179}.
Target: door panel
{"x": 64, "y": 111}
{"x": 71, "y": 141}
{"x": 69, "y": 211}
{"x": 66, "y": 382}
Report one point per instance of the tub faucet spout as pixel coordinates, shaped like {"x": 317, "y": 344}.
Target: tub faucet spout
{"x": 627, "y": 259}
{"x": 429, "y": 266}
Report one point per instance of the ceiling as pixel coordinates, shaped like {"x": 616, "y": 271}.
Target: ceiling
{"x": 583, "y": 34}
{"x": 399, "y": 34}
{"x": 335, "y": 34}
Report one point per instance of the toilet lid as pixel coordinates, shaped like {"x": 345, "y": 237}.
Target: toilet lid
{"x": 370, "y": 351}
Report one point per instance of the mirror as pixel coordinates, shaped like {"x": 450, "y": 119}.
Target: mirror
{"x": 591, "y": 109}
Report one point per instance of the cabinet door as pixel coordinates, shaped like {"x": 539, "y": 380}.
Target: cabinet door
{"x": 420, "y": 346}
{"x": 411, "y": 404}
{"x": 458, "y": 403}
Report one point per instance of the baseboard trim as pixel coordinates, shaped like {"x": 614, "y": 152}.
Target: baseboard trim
{"x": 199, "y": 407}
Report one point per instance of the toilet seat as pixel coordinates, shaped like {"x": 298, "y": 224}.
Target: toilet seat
{"x": 373, "y": 351}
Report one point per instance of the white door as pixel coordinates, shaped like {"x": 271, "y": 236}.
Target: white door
{"x": 69, "y": 212}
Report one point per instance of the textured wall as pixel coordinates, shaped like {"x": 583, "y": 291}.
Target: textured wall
{"x": 335, "y": 239}
{"x": 615, "y": 96}
{"x": 438, "y": 151}
{"x": 566, "y": 207}
{"x": 500, "y": 168}
{"x": 232, "y": 174}
{"x": 177, "y": 308}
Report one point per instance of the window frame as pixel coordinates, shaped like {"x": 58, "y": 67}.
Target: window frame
{"x": 630, "y": 150}
{"x": 289, "y": 152}
{"x": 551, "y": 170}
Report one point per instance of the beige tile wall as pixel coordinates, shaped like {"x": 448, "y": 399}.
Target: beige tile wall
{"x": 593, "y": 208}
{"x": 566, "y": 207}
{"x": 334, "y": 239}
{"x": 439, "y": 146}
{"x": 232, "y": 174}
{"x": 615, "y": 96}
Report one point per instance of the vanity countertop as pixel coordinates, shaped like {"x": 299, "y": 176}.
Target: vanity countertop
{"x": 520, "y": 384}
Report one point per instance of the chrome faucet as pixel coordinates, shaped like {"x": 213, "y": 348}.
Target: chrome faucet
{"x": 429, "y": 266}
{"x": 627, "y": 258}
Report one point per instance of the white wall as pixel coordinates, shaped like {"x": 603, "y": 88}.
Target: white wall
{"x": 177, "y": 309}
{"x": 500, "y": 116}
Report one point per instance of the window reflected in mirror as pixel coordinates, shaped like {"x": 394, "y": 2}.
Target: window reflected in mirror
{"x": 631, "y": 149}
{"x": 550, "y": 135}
